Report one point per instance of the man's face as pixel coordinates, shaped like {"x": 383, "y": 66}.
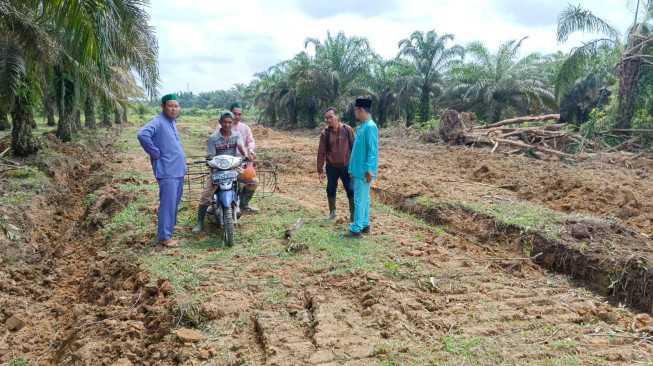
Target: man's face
{"x": 170, "y": 109}
{"x": 331, "y": 119}
{"x": 358, "y": 112}
{"x": 238, "y": 114}
{"x": 226, "y": 124}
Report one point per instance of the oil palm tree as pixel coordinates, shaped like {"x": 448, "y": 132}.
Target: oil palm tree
{"x": 432, "y": 58}
{"x": 340, "y": 64}
{"x": 393, "y": 85}
{"x": 636, "y": 53}
{"x": 25, "y": 46}
{"x": 83, "y": 39}
{"x": 271, "y": 86}
{"x": 493, "y": 83}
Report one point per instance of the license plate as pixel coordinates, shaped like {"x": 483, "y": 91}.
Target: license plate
{"x": 222, "y": 176}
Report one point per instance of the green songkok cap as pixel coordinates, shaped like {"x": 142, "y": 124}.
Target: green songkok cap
{"x": 227, "y": 114}
{"x": 169, "y": 97}
{"x": 235, "y": 105}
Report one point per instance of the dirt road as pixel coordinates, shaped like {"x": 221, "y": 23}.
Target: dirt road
{"x": 456, "y": 286}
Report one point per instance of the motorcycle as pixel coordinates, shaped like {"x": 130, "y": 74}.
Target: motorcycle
{"x": 225, "y": 203}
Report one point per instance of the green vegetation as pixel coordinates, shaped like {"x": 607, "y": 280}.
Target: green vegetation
{"x": 68, "y": 56}
{"x": 430, "y": 74}
{"x": 461, "y": 346}
{"x": 524, "y": 215}
{"x": 17, "y": 361}
{"x": 92, "y": 63}
{"x": 135, "y": 217}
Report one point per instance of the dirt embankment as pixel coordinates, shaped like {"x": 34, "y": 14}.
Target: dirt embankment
{"x": 60, "y": 288}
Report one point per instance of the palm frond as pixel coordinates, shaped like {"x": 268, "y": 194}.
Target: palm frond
{"x": 575, "y": 18}
{"x": 12, "y": 72}
{"x": 572, "y": 67}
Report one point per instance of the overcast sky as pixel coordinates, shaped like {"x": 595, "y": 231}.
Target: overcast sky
{"x": 207, "y": 45}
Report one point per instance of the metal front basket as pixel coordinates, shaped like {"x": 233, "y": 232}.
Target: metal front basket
{"x": 194, "y": 179}
{"x": 197, "y": 173}
{"x": 267, "y": 178}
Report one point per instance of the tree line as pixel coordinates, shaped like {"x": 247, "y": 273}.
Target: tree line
{"x": 69, "y": 56}
{"x": 431, "y": 73}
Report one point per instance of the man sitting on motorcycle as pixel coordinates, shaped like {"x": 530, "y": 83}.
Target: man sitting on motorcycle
{"x": 225, "y": 142}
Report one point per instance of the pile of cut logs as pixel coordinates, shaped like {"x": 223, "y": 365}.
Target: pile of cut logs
{"x": 540, "y": 138}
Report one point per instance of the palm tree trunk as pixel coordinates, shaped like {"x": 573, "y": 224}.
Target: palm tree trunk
{"x": 410, "y": 115}
{"x": 424, "y": 104}
{"x": 629, "y": 74}
{"x": 104, "y": 114}
{"x": 48, "y": 106}
{"x": 117, "y": 117}
{"x": 23, "y": 142}
{"x": 381, "y": 114}
{"x": 89, "y": 112}
{"x": 77, "y": 125}
{"x": 124, "y": 115}
{"x": 4, "y": 121}
{"x": 67, "y": 121}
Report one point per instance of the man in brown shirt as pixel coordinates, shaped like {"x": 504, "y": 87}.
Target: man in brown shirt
{"x": 336, "y": 142}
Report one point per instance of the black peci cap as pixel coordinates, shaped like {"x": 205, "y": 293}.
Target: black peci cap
{"x": 363, "y": 103}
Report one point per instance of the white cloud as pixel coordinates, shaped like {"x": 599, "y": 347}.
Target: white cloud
{"x": 206, "y": 45}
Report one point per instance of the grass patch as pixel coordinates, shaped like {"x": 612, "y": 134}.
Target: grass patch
{"x": 17, "y": 361}
{"x": 21, "y": 185}
{"x": 127, "y": 142}
{"x": 133, "y": 217}
{"x": 526, "y": 216}
{"x": 90, "y": 200}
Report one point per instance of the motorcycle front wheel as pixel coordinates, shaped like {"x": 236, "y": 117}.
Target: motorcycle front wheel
{"x": 228, "y": 217}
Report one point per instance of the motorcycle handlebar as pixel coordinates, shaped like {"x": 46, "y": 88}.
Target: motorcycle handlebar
{"x": 245, "y": 160}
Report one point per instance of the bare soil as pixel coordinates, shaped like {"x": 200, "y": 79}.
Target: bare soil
{"x": 67, "y": 298}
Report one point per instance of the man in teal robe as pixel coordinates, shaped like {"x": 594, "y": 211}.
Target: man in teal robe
{"x": 363, "y": 167}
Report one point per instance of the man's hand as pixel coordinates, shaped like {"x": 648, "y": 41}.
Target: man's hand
{"x": 369, "y": 176}
{"x": 252, "y": 155}
{"x": 320, "y": 176}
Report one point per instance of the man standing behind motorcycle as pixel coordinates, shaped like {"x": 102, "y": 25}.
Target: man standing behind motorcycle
{"x": 225, "y": 141}
{"x": 337, "y": 151}
{"x": 248, "y": 138}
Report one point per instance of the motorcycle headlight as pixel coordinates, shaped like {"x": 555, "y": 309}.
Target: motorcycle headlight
{"x": 224, "y": 164}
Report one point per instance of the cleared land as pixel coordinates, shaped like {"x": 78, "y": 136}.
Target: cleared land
{"x": 474, "y": 257}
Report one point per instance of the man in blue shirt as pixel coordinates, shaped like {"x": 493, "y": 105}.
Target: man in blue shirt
{"x": 225, "y": 141}
{"x": 363, "y": 166}
{"x": 160, "y": 139}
